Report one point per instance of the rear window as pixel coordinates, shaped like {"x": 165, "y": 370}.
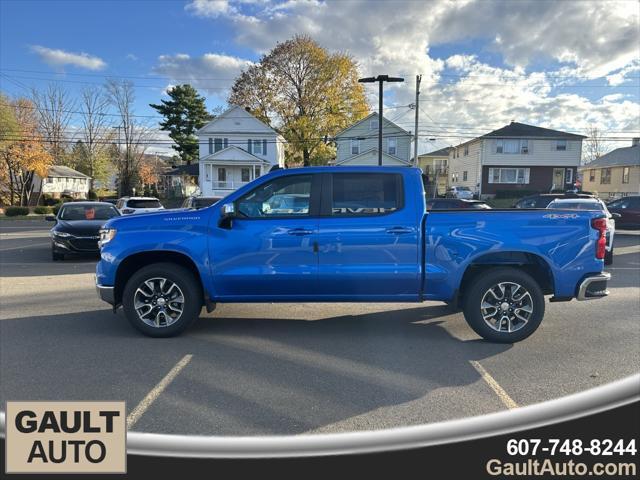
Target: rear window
{"x": 577, "y": 205}
{"x": 143, "y": 204}
{"x": 366, "y": 194}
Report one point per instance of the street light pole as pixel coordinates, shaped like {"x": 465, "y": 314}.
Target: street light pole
{"x": 380, "y": 79}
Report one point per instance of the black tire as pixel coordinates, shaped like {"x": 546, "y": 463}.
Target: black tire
{"x": 186, "y": 282}
{"x": 608, "y": 257}
{"x": 481, "y": 285}
{"x": 55, "y": 256}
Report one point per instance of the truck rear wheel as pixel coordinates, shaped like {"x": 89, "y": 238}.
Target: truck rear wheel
{"x": 504, "y": 305}
{"x": 162, "y": 299}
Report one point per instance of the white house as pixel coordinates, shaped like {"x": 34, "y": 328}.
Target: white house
{"x": 358, "y": 144}
{"x": 64, "y": 181}
{"x": 236, "y": 148}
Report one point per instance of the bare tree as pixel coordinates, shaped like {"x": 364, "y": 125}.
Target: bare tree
{"x": 55, "y": 109}
{"x": 595, "y": 145}
{"x": 95, "y": 129}
{"x": 132, "y": 135}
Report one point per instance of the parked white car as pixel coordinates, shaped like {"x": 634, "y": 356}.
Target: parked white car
{"x": 463, "y": 193}
{"x": 591, "y": 204}
{"x": 135, "y": 205}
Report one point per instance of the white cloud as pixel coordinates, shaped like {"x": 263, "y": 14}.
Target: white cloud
{"x": 211, "y": 72}
{"x": 581, "y": 39}
{"x": 62, "y": 58}
{"x": 132, "y": 57}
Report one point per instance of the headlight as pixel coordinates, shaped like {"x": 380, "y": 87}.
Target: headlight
{"x": 56, "y": 233}
{"x": 106, "y": 235}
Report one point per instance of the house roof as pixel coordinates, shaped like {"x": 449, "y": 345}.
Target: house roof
{"x": 515, "y": 129}
{"x": 372, "y": 150}
{"x": 443, "y": 152}
{"x": 368, "y": 117}
{"x": 192, "y": 170}
{"x": 620, "y": 157}
{"x": 238, "y": 113}
{"x": 66, "y": 172}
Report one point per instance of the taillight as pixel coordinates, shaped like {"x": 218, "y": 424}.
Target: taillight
{"x": 600, "y": 224}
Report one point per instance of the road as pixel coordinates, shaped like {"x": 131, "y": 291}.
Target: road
{"x": 295, "y": 368}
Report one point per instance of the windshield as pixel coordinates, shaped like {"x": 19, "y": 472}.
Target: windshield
{"x": 88, "y": 212}
{"x": 144, "y": 204}
{"x": 577, "y": 205}
{"x": 466, "y": 189}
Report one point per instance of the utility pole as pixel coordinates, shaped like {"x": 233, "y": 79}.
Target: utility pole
{"x": 415, "y": 142}
{"x": 380, "y": 79}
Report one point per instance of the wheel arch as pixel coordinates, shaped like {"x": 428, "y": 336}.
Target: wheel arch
{"x": 136, "y": 261}
{"x": 531, "y": 263}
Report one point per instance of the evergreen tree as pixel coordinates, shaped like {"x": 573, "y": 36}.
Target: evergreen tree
{"x": 184, "y": 113}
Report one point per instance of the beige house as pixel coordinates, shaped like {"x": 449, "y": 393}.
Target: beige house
{"x": 517, "y": 158}
{"x": 615, "y": 174}
{"x": 435, "y": 166}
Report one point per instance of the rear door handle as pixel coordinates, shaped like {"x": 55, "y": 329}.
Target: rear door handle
{"x": 300, "y": 232}
{"x": 399, "y": 230}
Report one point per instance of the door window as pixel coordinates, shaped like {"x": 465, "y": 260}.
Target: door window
{"x": 365, "y": 194}
{"x": 284, "y": 196}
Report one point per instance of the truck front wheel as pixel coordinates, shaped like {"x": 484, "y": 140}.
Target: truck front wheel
{"x": 162, "y": 299}
{"x": 504, "y": 305}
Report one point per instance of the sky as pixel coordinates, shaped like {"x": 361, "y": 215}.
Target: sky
{"x": 564, "y": 64}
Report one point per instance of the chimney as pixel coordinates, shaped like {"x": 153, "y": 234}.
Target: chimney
{"x": 635, "y": 142}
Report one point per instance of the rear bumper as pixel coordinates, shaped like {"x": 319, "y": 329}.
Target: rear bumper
{"x": 594, "y": 287}
{"x": 106, "y": 294}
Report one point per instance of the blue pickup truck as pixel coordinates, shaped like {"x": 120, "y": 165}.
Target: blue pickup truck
{"x": 350, "y": 234}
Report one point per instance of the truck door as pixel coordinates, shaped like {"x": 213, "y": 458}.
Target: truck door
{"x": 269, "y": 249}
{"x": 368, "y": 239}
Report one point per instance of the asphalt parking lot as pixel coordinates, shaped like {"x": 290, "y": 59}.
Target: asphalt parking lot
{"x": 295, "y": 368}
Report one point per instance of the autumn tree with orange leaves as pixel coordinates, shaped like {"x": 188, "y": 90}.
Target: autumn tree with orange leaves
{"x": 24, "y": 159}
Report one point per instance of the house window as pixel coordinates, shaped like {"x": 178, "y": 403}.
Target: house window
{"x": 210, "y": 145}
{"x": 466, "y": 150}
{"x": 464, "y": 176}
{"x": 605, "y": 176}
{"x": 355, "y": 146}
{"x": 508, "y": 146}
{"x": 257, "y": 147}
{"x": 509, "y": 175}
{"x": 524, "y": 147}
{"x": 592, "y": 175}
{"x": 217, "y": 145}
{"x": 245, "y": 174}
{"x": 392, "y": 145}
{"x": 222, "y": 174}
{"x": 373, "y": 124}
{"x": 568, "y": 175}
{"x": 625, "y": 175}
{"x": 561, "y": 145}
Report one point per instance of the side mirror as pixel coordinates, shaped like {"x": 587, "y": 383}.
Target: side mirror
{"x": 227, "y": 213}
{"x": 50, "y": 218}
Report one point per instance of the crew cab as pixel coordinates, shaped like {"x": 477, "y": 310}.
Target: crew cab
{"x": 350, "y": 234}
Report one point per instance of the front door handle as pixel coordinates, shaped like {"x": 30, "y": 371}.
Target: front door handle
{"x": 300, "y": 232}
{"x": 399, "y": 230}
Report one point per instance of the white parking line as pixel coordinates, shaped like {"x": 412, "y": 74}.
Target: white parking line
{"x": 151, "y": 397}
{"x": 495, "y": 386}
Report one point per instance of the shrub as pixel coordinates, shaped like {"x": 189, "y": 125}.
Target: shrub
{"x": 43, "y": 210}
{"x": 92, "y": 195}
{"x": 15, "y": 211}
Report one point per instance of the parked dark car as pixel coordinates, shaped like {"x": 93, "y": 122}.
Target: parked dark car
{"x": 455, "y": 203}
{"x": 197, "y": 203}
{"x": 629, "y": 210}
{"x": 542, "y": 200}
{"x": 77, "y": 227}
